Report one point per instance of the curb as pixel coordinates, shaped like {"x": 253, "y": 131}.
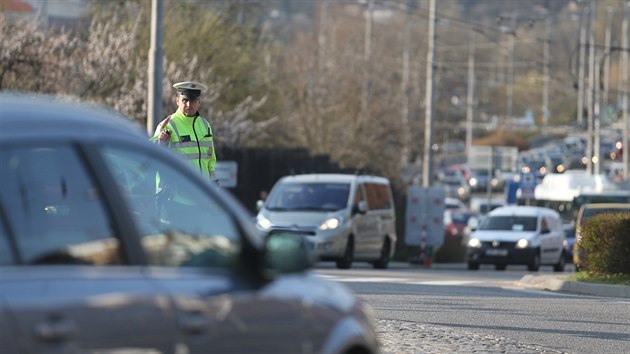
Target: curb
{"x": 561, "y": 284}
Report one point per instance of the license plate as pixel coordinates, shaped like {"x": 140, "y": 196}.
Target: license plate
{"x": 497, "y": 252}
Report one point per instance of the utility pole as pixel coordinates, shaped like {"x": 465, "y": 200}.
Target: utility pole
{"x": 471, "y": 88}
{"x": 581, "y": 65}
{"x": 367, "y": 59}
{"x": 510, "y": 83}
{"x": 545, "y": 98}
{"x": 428, "y": 101}
{"x": 154, "y": 94}
{"x": 624, "y": 88}
{"x": 596, "y": 115}
{"x": 321, "y": 67}
{"x": 404, "y": 88}
{"x": 609, "y": 18}
{"x": 591, "y": 88}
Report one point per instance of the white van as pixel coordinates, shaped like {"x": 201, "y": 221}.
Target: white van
{"x": 518, "y": 235}
{"x": 345, "y": 218}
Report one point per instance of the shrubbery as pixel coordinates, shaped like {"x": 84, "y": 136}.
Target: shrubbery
{"x": 606, "y": 244}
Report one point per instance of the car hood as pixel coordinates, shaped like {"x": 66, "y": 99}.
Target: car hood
{"x": 502, "y": 235}
{"x": 297, "y": 218}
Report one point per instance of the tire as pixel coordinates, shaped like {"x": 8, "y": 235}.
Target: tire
{"x": 345, "y": 262}
{"x": 383, "y": 261}
{"x": 559, "y": 267}
{"x": 534, "y": 264}
{"x": 500, "y": 266}
{"x": 473, "y": 266}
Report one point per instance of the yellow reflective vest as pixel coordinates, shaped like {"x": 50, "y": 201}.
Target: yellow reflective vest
{"x": 192, "y": 138}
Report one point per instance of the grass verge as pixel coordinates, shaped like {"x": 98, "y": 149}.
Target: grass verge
{"x": 612, "y": 279}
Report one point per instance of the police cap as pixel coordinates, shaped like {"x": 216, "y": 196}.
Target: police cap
{"x": 189, "y": 89}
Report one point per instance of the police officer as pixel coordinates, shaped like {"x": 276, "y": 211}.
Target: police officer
{"x": 186, "y": 132}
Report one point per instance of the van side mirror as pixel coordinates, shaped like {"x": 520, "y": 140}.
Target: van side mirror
{"x": 360, "y": 207}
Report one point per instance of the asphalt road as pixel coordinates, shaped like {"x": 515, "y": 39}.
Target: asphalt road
{"x": 487, "y": 304}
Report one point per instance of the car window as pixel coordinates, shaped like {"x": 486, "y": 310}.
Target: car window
{"x": 544, "y": 227}
{"x": 359, "y": 196}
{"x": 57, "y": 214}
{"x": 510, "y": 223}
{"x": 377, "y": 196}
{"x": 180, "y": 223}
{"x": 309, "y": 196}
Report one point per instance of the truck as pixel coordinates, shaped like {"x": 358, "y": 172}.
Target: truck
{"x": 500, "y": 160}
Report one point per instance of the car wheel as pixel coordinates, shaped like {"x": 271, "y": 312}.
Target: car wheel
{"x": 534, "y": 264}
{"x": 345, "y": 262}
{"x": 559, "y": 267}
{"x": 473, "y": 266}
{"x": 500, "y": 266}
{"x": 383, "y": 261}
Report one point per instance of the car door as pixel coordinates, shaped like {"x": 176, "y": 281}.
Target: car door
{"x": 363, "y": 224}
{"x": 548, "y": 239}
{"x": 69, "y": 287}
{"x": 194, "y": 247}
{"x": 7, "y": 324}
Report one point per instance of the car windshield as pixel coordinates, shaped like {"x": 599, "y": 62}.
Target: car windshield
{"x": 309, "y": 196}
{"x": 509, "y": 223}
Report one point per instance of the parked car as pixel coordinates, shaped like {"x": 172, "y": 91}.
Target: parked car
{"x": 345, "y": 218}
{"x": 569, "y": 232}
{"x": 456, "y": 222}
{"x": 455, "y": 186}
{"x": 518, "y": 235}
{"x": 586, "y": 211}
{"x": 110, "y": 243}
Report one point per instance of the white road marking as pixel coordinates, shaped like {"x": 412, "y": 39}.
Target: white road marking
{"x": 396, "y": 280}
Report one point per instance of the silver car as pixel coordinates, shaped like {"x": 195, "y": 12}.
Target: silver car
{"x": 109, "y": 243}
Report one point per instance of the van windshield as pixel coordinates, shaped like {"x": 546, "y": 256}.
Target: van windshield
{"x": 309, "y": 196}
{"x": 509, "y": 223}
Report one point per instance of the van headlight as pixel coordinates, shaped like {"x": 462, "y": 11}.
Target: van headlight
{"x": 474, "y": 243}
{"x": 330, "y": 224}
{"x": 522, "y": 243}
{"x": 263, "y": 222}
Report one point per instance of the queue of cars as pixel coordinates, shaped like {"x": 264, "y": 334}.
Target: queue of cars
{"x": 109, "y": 243}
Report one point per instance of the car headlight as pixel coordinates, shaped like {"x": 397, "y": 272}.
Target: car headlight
{"x": 330, "y": 224}
{"x": 473, "y": 182}
{"x": 522, "y": 243}
{"x": 263, "y": 222}
{"x": 474, "y": 243}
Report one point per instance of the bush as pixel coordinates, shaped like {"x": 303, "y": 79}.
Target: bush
{"x": 606, "y": 244}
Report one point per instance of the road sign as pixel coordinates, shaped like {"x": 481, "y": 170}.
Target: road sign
{"x": 424, "y": 222}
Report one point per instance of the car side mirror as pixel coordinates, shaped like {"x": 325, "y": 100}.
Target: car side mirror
{"x": 360, "y": 207}
{"x": 473, "y": 223}
{"x": 259, "y": 204}
{"x": 286, "y": 252}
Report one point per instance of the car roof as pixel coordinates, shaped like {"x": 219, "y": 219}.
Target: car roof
{"x": 334, "y": 177}
{"x": 41, "y": 115}
{"x": 522, "y": 210}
